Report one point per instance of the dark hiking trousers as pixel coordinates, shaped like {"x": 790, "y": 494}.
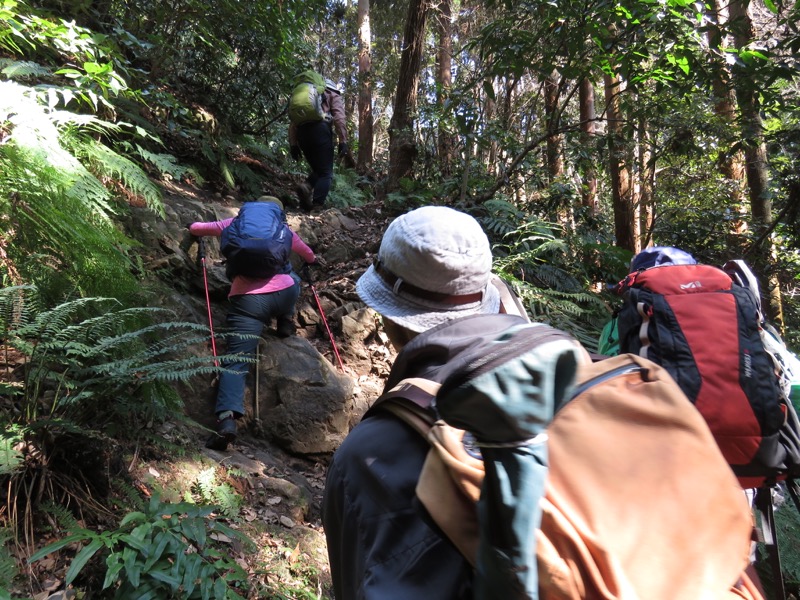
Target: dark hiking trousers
{"x": 247, "y": 315}
{"x": 316, "y": 142}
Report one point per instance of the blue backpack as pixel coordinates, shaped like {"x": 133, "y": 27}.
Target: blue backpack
{"x": 258, "y": 242}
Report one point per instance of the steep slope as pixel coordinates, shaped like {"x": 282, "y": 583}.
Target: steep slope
{"x": 267, "y": 489}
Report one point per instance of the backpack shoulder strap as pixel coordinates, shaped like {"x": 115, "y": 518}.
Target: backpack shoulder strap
{"x": 410, "y": 401}
{"x": 509, "y": 301}
{"x": 743, "y": 275}
{"x": 450, "y": 480}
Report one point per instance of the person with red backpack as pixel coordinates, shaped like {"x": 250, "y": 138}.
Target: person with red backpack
{"x": 311, "y": 135}
{"x": 263, "y": 288}
{"x": 608, "y": 344}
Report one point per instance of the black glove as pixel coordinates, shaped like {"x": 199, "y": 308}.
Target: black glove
{"x": 305, "y": 273}
{"x": 295, "y": 152}
{"x": 342, "y": 148}
{"x": 188, "y": 239}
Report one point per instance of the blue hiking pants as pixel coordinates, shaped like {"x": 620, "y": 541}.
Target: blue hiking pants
{"x": 248, "y": 314}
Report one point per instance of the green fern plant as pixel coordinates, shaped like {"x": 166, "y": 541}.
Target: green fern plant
{"x": 23, "y": 69}
{"x": 62, "y": 163}
{"x": 168, "y": 550}
{"x": 106, "y": 163}
{"x": 542, "y": 270}
{"x": 166, "y": 164}
{"x": 94, "y": 375}
{"x": 57, "y": 217}
{"x": 103, "y": 368}
{"x": 8, "y": 565}
{"x": 345, "y": 191}
{"x": 211, "y": 491}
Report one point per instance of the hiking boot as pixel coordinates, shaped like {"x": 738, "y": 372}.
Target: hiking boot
{"x": 286, "y": 327}
{"x": 304, "y": 193}
{"x": 225, "y": 434}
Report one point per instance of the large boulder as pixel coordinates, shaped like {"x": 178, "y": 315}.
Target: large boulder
{"x": 306, "y": 405}
{"x": 303, "y": 402}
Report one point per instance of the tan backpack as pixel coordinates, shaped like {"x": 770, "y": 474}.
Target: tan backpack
{"x": 639, "y": 503}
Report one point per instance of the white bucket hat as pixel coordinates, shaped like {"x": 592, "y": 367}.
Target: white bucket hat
{"x": 434, "y": 265}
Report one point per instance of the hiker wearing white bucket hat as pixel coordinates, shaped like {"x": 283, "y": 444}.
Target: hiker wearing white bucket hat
{"x": 434, "y": 265}
{"x": 432, "y": 284}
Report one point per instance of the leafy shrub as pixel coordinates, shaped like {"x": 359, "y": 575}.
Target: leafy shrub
{"x": 345, "y": 191}
{"x": 212, "y": 491}
{"x": 166, "y": 551}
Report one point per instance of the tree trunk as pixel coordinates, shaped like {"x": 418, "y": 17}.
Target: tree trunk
{"x": 621, "y": 192}
{"x": 365, "y": 135}
{"x": 555, "y": 162}
{"x": 755, "y": 151}
{"x": 731, "y": 164}
{"x": 588, "y": 172}
{"x": 489, "y": 106}
{"x": 402, "y": 147}
{"x": 752, "y": 127}
{"x": 445, "y": 77}
{"x": 647, "y": 171}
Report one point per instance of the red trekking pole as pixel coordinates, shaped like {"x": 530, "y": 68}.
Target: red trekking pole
{"x": 307, "y": 273}
{"x": 201, "y": 256}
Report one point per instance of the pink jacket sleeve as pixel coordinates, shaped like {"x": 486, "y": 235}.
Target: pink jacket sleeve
{"x": 212, "y": 228}
{"x": 301, "y": 249}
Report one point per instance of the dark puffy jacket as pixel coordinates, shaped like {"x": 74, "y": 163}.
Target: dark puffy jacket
{"x": 381, "y": 542}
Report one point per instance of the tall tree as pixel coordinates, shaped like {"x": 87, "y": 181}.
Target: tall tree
{"x": 730, "y": 163}
{"x": 446, "y": 141}
{"x": 755, "y": 150}
{"x": 555, "y": 159}
{"x": 621, "y": 191}
{"x": 402, "y": 146}
{"x": 586, "y": 163}
{"x": 365, "y": 135}
{"x": 646, "y": 183}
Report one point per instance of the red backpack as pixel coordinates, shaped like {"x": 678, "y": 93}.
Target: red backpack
{"x": 704, "y": 329}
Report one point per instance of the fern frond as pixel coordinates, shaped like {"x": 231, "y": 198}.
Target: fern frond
{"x": 206, "y": 482}
{"x": 106, "y": 162}
{"x": 37, "y": 140}
{"x": 18, "y": 304}
{"x": 228, "y": 500}
{"x": 8, "y": 565}
{"x": 11, "y": 459}
{"x": 82, "y": 122}
{"x": 125, "y": 490}
{"x": 22, "y": 69}
{"x": 63, "y": 234}
{"x": 245, "y": 177}
{"x": 166, "y": 164}
{"x": 49, "y": 323}
{"x": 62, "y": 516}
